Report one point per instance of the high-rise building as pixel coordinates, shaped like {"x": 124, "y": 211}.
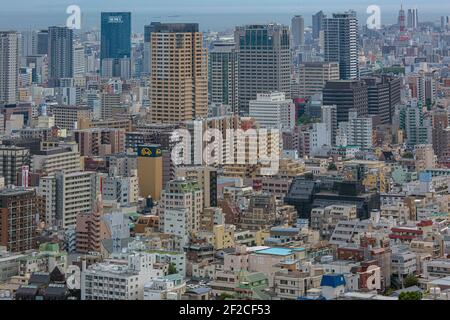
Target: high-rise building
{"x": 413, "y": 19}
{"x": 181, "y": 208}
{"x": 109, "y": 101}
{"x": 115, "y": 44}
{"x": 147, "y": 55}
{"x": 66, "y": 195}
{"x": 346, "y": 95}
{"x": 272, "y": 110}
{"x": 298, "y": 31}
{"x": 28, "y": 44}
{"x": 9, "y": 67}
{"x": 94, "y": 142}
{"x": 150, "y": 171}
{"x": 79, "y": 61}
{"x": 42, "y": 42}
{"x": 90, "y": 230}
{"x": 313, "y": 76}
{"x": 18, "y": 213}
{"x": 317, "y": 21}
{"x": 206, "y": 177}
{"x": 222, "y": 74}
{"x": 356, "y": 132}
{"x": 264, "y": 61}
{"x": 329, "y": 117}
{"x": 378, "y": 99}
{"x": 341, "y": 43}
{"x": 179, "y": 73}
{"x": 12, "y": 159}
{"x": 60, "y": 54}
{"x": 416, "y": 126}
{"x": 69, "y": 117}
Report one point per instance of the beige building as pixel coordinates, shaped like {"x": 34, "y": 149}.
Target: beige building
{"x": 68, "y": 117}
{"x": 206, "y": 178}
{"x": 314, "y": 75}
{"x": 150, "y": 170}
{"x": 179, "y": 72}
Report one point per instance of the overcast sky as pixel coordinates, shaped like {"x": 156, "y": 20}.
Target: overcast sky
{"x": 31, "y": 13}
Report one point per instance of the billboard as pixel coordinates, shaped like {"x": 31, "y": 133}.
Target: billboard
{"x": 149, "y": 151}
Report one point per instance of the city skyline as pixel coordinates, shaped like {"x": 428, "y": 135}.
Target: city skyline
{"x": 211, "y": 15}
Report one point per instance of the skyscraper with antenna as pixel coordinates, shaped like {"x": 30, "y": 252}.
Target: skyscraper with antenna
{"x": 402, "y": 19}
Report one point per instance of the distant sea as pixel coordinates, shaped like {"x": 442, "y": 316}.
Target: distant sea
{"x": 207, "y": 22}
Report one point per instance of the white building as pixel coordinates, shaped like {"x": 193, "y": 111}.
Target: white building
{"x": 118, "y": 279}
{"x": 357, "y": 131}
{"x": 273, "y": 110}
{"x": 123, "y": 190}
{"x": 165, "y": 288}
{"x": 320, "y": 139}
{"x": 66, "y": 195}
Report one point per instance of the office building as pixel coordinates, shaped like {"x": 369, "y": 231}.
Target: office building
{"x": 313, "y": 76}
{"x": 115, "y": 43}
{"x": 179, "y": 73}
{"x": 49, "y": 161}
{"x": 298, "y": 31}
{"x": 329, "y": 117}
{"x": 9, "y": 67}
{"x": 416, "y": 126}
{"x": 181, "y": 208}
{"x": 118, "y": 279}
{"x": 18, "y": 213}
{"x": 357, "y": 131}
{"x": 413, "y": 19}
{"x": 66, "y": 195}
{"x": 346, "y": 95}
{"x": 42, "y": 42}
{"x": 264, "y": 61}
{"x": 121, "y": 189}
{"x": 150, "y": 171}
{"x": 60, "y": 54}
{"x": 12, "y": 159}
{"x": 206, "y": 177}
{"x": 317, "y": 21}
{"x": 342, "y": 43}
{"x": 273, "y": 111}
{"x": 69, "y": 117}
{"x": 100, "y": 141}
{"x": 222, "y": 75}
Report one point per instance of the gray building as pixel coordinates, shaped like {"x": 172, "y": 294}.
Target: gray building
{"x": 317, "y": 21}
{"x": 223, "y": 72}
{"x": 12, "y": 158}
{"x": 9, "y": 67}
{"x": 264, "y": 61}
{"x": 346, "y": 95}
{"x": 298, "y": 31}
{"x": 60, "y": 54}
{"x": 341, "y": 43}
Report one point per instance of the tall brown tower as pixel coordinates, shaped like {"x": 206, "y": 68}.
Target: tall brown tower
{"x": 179, "y": 73}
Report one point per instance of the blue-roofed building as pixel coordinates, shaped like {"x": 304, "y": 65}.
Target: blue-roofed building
{"x": 333, "y": 285}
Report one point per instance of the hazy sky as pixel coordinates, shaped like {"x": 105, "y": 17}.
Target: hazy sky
{"x": 32, "y": 13}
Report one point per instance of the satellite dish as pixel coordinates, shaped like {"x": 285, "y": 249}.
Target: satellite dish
{"x": 73, "y": 277}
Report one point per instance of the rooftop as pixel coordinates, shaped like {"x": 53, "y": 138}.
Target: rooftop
{"x": 275, "y": 251}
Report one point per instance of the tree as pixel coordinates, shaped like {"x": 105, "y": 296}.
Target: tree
{"x": 172, "y": 268}
{"x": 332, "y": 166}
{"x": 225, "y": 295}
{"x": 410, "y": 281}
{"x": 413, "y": 295}
{"x": 408, "y": 155}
